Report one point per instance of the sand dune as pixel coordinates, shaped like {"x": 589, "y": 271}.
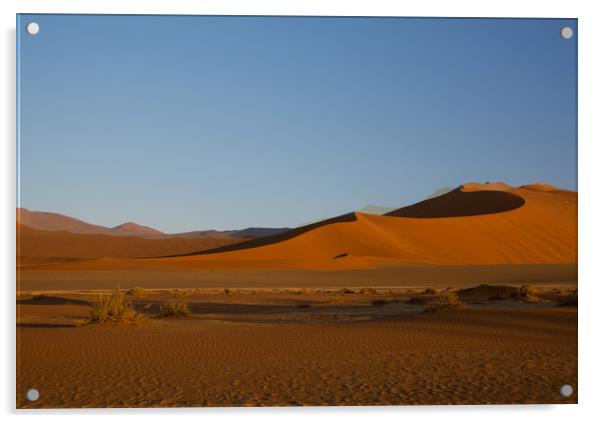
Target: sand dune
{"x": 471, "y": 225}
{"x": 542, "y": 229}
{"x": 35, "y": 246}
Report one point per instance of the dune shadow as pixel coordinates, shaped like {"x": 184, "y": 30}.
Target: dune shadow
{"x": 272, "y": 239}
{"x": 459, "y": 203}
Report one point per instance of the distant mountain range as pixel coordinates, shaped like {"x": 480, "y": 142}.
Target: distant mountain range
{"x": 46, "y": 221}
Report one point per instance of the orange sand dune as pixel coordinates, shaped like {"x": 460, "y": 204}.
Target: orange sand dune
{"x": 35, "y": 246}
{"x": 541, "y": 230}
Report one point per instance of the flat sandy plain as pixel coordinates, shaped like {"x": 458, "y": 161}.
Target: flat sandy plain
{"x": 278, "y": 347}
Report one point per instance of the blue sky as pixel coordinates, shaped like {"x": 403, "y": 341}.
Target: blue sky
{"x": 185, "y": 122}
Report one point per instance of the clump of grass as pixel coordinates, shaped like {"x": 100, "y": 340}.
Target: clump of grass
{"x": 570, "y": 300}
{"x": 113, "y": 308}
{"x": 380, "y": 302}
{"x": 430, "y": 291}
{"x": 446, "y": 301}
{"x": 527, "y": 293}
{"x": 366, "y": 291}
{"x": 135, "y": 292}
{"x": 415, "y": 299}
{"x": 174, "y": 308}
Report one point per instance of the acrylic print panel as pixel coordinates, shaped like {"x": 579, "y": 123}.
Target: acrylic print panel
{"x": 276, "y": 211}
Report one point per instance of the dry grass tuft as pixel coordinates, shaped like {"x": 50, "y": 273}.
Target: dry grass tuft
{"x": 175, "y": 308}
{"x": 136, "y": 292}
{"x": 113, "y": 308}
{"x": 447, "y": 301}
{"x": 415, "y": 299}
{"x": 571, "y": 300}
{"x": 528, "y": 293}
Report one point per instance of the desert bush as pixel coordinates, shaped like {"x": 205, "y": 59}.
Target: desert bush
{"x": 415, "y": 299}
{"x": 446, "y": 301}
{"x": 430, "y": 291}
{"x": 113, "y": 307}
{"x": 365, "y": 291}
{"x": 174, "y": 308}
{"x": 570, "y": 300}
{"x": 135, "y": 292}
{"x": 380, "y": 302}
{"x": 527, "y": 293}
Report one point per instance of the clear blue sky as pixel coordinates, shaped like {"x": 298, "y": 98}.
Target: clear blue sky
{"x": 185, "y": 123}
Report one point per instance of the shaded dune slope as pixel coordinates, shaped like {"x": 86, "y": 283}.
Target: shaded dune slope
{"x": 279, "y": 237}
{"x": 462, "y": 203}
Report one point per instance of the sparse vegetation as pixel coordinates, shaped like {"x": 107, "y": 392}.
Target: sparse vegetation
{"x": 345, "y": 291}
{"x": 113, "y": 307}
{"x": 570, "y": 300}
{"x": 446, "y": 301}
{"x": 175, "y": 308}
{"x": 527, "y": 293}
{"x": 430, "y": 291}
{"x": 416, "y": 299}
{"x": 366, "y": 291}
{"x": 135, "y": 292}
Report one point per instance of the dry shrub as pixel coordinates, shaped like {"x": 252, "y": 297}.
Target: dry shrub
{"x": 415, "y": 299}
{"x": 113, "y": 307}
{"x": 136, "y": 292}
{"x": 430, "y": 291}
{"x": 527, "y": 293}
{"x": 446, "y": 301}
{"x": 367, "y": 291}
{"x": 175, "y": 308}
{"x": 570, "y": 300}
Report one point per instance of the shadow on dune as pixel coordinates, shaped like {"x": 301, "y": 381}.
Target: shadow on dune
{"x": 267, "y": 240}
{"x": 458, "y": 203}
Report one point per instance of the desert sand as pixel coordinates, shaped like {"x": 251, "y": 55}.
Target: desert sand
{"x": 291, "y": 347}
{"x": 332, "y": 313}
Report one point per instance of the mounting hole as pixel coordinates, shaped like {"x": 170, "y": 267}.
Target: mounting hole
{"x": 33, "y": 28}
{"x": 566, "y": 32}
{"x": 33, "y": 394}
{"x": 566, "y": 390}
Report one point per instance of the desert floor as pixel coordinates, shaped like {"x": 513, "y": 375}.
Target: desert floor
{"x": 294, "y": 346}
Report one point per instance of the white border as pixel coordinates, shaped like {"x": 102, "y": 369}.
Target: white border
{"x": 590, "y": 178}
